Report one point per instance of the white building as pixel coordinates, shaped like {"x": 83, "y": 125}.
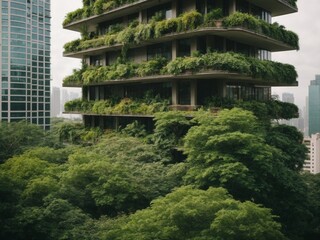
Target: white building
{"x": 312, "y": 163}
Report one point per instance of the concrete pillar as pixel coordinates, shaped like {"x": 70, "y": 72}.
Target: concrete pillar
{"x": 174, "y": 49}
{"x": 193, "y": 46}
{"x": 96, "y": 92}
{"x": 101, "y": 95}
{"x": 222, "y": 88}
{"x": 194, "y": 92}
{"x": 232, "y": 6}
{"x": 116, "y": 123}
{"x": 88, "y": 94}
{"x": 174, "y": 8}
{"x": 143, "y": 17}
{"x": 174, "y": 92}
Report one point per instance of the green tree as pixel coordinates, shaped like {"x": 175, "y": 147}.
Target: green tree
{"x": 193, "y": 214}
{"x": 230, "y": 150}
{"x": 16, "y": 137}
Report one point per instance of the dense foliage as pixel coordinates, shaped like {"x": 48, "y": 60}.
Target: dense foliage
{"x": 91, "y": 8}
{"x": 137, "y": 33}
{"x": 239, "y": 178}
{"x": 124, "y": 106}
{"x": 213, "y": 61}
{"x": 96, "y": 7}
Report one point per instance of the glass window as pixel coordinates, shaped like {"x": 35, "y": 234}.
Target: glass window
{"x": 184, "y": 93}
{"x": 160, "y": 50}
{"x": 160, "y": 12}
{"x": 184, "y": 47}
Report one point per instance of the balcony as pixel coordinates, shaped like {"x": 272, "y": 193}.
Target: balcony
{"x": 239, "y": 27}
{"x": 75, "y": 21}
{"x": 91, "y": 17}
{"x": 228, "y": 66}
{"x": 277, "y": 7}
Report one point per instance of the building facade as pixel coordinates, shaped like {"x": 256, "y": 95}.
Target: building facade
{"x": 312, "y": 163}
{"x": 25, "y": 61}
{"x": 144, "y": 56}
{"x": 314, "y": 106}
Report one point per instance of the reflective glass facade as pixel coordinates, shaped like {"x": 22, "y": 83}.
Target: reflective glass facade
{"x": 25, "y": 61}
{"x": 314, "y": 106}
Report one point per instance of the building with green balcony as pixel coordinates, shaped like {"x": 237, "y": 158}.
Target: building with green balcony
{"x": 25, "y": 61}
{"x": 144, "y": 56}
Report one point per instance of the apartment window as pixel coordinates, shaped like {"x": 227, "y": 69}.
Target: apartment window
{"x": 242, "y": 6}
{"x": 184, "y": 93}
{"x": 218, "y": 44}
{"x": 202, "y": 44}
{"x": 95, "y": 61}
{"x": 184, "y": 47}
{"x": 159, "y": 13}
{"x": 201, "y": 6}
{"x": 160, "y": 50}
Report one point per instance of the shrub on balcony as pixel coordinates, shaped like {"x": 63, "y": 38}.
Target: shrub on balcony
{"x": 135, "y": 34}
{"x": 214, "y": 14}
{"x": 226, "y": 62}
{"x": 250, "y": 22}
{"x": 91, "y": 8}
{"x": 125, "y": 106}
{"x": 264, "y": 110}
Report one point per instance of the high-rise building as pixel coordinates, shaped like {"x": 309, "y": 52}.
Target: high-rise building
{"x": 314, "y": 106}
{"x": 312, "y": 163}
{"x": 144, "y": 56}
{"x": 25, "y": 61}
{"x": 295, "y": 122}
{"x": 288, "y": 97}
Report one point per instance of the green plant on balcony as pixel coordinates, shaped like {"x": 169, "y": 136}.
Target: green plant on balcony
{"x": 271, "y": 109}
{"x": 91, "y": 8}
{"x": 124, "y": 106}
{"x": 136, "y": 34}
{"x": 226, "y": 62}
{"x": 274, "y": 30}
{"x": 215, "y": 14}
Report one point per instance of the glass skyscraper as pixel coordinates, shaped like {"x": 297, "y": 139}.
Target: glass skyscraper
{"x": 25, "y": 61}
{"x": 314, "y": 106}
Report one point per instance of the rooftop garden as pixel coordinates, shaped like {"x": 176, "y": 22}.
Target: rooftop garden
{"x": 91, "y": 8}
{"x": 136, "y": 33}
{"x": 226, "y": 62}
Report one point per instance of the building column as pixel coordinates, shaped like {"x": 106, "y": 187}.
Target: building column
{"x": 193, "y": 46}
{"x": 143, "y": 18}
{"x": 194, "y": 92}
{"x": 174, "y": 93}
{"x": 174, "y": 8}
{"x": 232, "y": 6}
{"x": 174, "y": 49}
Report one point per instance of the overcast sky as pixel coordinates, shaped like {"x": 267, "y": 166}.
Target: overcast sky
{"x": 305, "y": 23}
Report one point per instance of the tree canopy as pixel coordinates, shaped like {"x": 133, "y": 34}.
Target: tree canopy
{"x": 238, "y": 176}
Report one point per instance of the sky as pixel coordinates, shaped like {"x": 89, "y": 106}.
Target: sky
{"x": 305, "y": 23}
